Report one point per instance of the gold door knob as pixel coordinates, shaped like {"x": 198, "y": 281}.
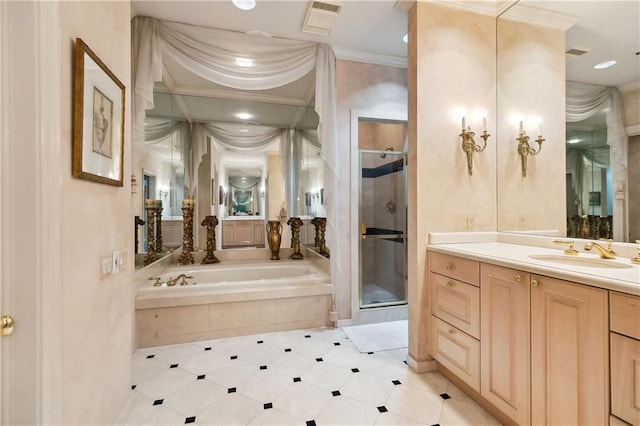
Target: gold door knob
{"x": 535, "y": 283}
{"x": 6, "y": 325}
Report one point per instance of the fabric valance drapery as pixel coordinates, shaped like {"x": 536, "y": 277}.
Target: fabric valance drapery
{"x": 212, "y": 54}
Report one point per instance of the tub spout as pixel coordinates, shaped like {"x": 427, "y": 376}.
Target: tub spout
{"x": 173, "y": 281}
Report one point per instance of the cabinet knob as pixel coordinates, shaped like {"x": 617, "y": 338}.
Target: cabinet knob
{"x": 535, "y": 283}
{"x": 518, "y": 278}
{"x": 450, "y": 332}
{"x": 450, "y": 267}
{"x": 449, "y": 284}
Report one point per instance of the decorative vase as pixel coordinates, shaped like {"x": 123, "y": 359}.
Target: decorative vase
{"x": 274, "y": 236}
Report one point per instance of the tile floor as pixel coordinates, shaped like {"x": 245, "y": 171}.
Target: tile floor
{"x": 300, "y": 377}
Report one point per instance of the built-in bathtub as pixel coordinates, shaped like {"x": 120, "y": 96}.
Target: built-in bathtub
{"x": 230, "y": 299}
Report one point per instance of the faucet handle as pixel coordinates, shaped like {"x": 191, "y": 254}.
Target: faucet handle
{"x": 609, "y": 242}
{"x": 570, "y": 250}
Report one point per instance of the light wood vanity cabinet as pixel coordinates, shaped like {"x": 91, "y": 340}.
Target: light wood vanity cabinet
{"x": 242, "y": 233}
{"x": 543, "y": 344}
{"x": 455, "y": 309}
{"x": 625, "y": 357}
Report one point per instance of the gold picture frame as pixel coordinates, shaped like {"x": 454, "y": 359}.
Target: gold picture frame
{"x": 98, "y": 120}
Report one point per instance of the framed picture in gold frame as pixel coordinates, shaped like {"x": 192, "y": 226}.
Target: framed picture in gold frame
{"x": 98, "y": 119}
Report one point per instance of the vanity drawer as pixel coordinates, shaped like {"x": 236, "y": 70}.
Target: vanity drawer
{"x": 625, "y": 378}
{"x": 455, "y": 267}
{"x": 457, "y": 303}
{"x": 456, "y": 351}
{"x": 625, "y": 314}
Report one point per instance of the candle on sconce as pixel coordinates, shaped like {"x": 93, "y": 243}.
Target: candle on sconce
{"x": 188, "y": 203}
{"x": 463, "y": 124}
{"x": 484, "y": 124}
{"x": 149, "y": 202}
{"x": 521, "y": 127}
{"x": 540, "y": 129}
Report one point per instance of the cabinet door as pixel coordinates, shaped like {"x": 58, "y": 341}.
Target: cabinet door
{"x": 504, "y": 340}
{"x": 258, "y": 233}
{"x": 227, "y": 234}
{"x": 569, "y": 357}
{"x": 457, "y": 303}
{"x": 625, "y": 378}
{"x": 243, "y": 233}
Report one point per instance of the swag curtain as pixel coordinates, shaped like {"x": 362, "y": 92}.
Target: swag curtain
{"x": 584, "y": 101}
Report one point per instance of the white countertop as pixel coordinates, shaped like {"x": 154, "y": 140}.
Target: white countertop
{"x": 243, "y": 217}
{"x": 517, "y": 256}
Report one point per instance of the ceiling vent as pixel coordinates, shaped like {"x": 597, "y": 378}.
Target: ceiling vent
{"x": 576, "y": 51}
{"x": 320, "y": 16}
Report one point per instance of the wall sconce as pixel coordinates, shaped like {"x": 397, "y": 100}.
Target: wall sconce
{"x": 469, "y": 145}
{"x": 524, "y": 148}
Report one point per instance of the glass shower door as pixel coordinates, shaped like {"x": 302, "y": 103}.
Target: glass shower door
{"x": 383, "y": 218}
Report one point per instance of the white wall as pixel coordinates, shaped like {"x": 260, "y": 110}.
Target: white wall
{"x": 96, "y": 324}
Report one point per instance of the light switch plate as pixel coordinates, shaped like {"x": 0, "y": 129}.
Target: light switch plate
{"x": 105, "y": 266}
{"x": 115, "y": 262}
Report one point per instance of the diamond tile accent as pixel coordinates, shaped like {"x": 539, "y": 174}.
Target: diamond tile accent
{"x": 311, "y": 422}
{"x": 396, "y": 382}
{"x": 234, "y": 357}
{"x": 335, "y": 393}
{"x": 336, "y": 343}
{"x": 133, "y": 387}
{"x": 231, "y": 390}
{"x": 355, "y": 370}
{"x": 190, "y": 420}
{"x": 268, "y": 405}
{"x": 150, "y": 356}
{"x": 158, "y": 402}
{"x": 200, "y": 377}
{"x": 445, "y": 395}
{"x": 308, "y": 336}
{"x": 296, "y": 379}
{"x": 382, "y": 409}
{"x": 174, "y": 366}
{"x": 287, "y": 350}
{"x": 260, "y": 342}
{"x": 208, "y": 348}
{"x": 263, "y": 367}
{"x": 369, "y": 353}
{"x": 318, "y": 359}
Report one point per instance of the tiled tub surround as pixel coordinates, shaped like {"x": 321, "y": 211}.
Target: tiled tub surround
{"x": 298, "y": 377}
{"x": 503, "y": 319}
{"x": 251, "y": 304}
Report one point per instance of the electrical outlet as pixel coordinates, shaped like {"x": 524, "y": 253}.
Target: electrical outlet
{"x": 471, "y": 224}
{"x": 105, "y": 266}
{"x": 115, "y": 262}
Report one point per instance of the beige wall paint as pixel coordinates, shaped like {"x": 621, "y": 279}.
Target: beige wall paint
{"x": 451, "y": 67}
{"x": 97, "y": 313}
{"x": 535, "y": 202}
{"x": 368, "y": 87}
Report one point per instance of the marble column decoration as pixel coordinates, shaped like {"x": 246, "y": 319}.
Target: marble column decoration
{"x": 296, "y": 224}
{"x": 186, "y": 258}
{"x": 159, "y": 241}
{"x": 316, "y": 224}
{"x": 210, "y": 222}
{"x": 322, "y": 222}
{"x": 151, "y": 255}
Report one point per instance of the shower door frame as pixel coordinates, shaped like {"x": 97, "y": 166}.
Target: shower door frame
{"x": 384, "y": 313}
{"x": 362, "y": 238}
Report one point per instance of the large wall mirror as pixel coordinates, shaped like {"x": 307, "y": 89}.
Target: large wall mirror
{"x": 597, "y": 204}
{"x": 260, "y": 158}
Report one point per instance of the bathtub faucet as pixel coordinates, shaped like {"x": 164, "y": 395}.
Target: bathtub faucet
{"x": 173, "y": 281}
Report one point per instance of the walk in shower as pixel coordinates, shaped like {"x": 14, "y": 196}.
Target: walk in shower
{"x": 383, "y": 220}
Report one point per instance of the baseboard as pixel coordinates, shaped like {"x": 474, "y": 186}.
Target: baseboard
{"x": 422, "y": 366}
{"x": 126, "y": 411}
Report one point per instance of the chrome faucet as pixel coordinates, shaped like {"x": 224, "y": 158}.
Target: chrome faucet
{"x": 605, "y": 253}
{"x": 173, "y": 281}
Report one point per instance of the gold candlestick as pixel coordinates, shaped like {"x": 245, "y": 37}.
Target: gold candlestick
{"x": 210, "y": 222}
{"x": 296, "y": 224}
{"x": 186, "y": 258}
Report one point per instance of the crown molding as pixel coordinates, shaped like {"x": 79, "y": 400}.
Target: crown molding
{"x": 530, "y": 15}
{"x": 370, "y": 58}
{"x": 634, "y": 85}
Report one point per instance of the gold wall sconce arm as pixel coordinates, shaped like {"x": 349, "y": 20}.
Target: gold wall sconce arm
{"x": 524, "y": 149}
{"x": 469, "y": 145}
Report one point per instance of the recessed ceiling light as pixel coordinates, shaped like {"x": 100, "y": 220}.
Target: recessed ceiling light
{"x": 572, "y": 141}
{"x": 605, "y": 64}
{"x": 244, "y": 4}
{"x": 244, "y": 62}
{"x": 405, "y": 38}
{"x": 243, "y": 115}
{"x": 244, "y": 130}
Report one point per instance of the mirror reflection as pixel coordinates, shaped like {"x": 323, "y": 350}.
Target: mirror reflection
{"x": 246, "y": 172}
{"x": 599, "y": 119}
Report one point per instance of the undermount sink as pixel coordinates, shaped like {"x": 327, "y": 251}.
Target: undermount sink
{"x": 580, "y": 261}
